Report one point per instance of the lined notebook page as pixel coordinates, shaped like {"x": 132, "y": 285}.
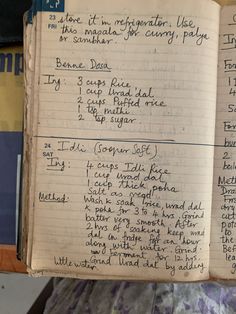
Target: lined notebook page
{"x": 223, "y": 237}
{"x": 125, "y": 139}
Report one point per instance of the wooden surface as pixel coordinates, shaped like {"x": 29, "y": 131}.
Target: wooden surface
{"x": 226, "y": 2}
{"x": 8, "y": 260}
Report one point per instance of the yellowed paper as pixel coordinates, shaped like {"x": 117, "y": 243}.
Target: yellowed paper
{"x": 223, "y": 241}
{"x": 124, "y": 140}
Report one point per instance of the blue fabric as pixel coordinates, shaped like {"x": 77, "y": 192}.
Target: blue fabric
{"x": 10, "y": 147}
{"x": 11, "y": 20}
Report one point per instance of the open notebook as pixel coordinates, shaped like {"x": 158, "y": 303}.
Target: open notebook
{"x": 130, "y": 158}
